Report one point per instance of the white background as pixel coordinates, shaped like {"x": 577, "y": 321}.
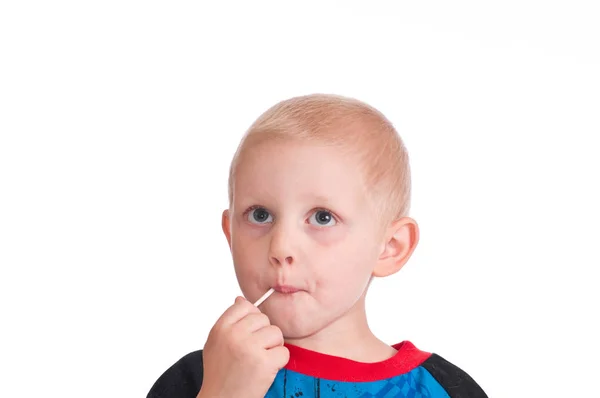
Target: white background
{"x": 118, "y": 120}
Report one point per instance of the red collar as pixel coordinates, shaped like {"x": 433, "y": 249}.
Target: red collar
{"x": 323, "y": 366}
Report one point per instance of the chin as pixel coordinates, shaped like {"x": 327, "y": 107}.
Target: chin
{"x": 299, "y": 327}
{"x": 297, "y": 333}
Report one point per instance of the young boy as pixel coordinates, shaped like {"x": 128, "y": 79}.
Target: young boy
{"x": 319, "y": 191}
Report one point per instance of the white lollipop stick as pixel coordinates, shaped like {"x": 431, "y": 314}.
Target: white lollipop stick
{"x": 264, "y": 297}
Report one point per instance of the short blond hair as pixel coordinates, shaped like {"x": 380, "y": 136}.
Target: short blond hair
{"x": 346, "y": 123}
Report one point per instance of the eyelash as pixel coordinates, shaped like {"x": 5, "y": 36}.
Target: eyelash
{"x": 252, "y": 208}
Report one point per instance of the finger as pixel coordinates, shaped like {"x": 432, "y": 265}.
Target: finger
{"x": 237, "y": 311}
{"x": 280, "y": 355}
{"x": 253, "y": 322}
{"x": 268, "y": 337}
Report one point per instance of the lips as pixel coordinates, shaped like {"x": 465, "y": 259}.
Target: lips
{"x": 286, "y": 289}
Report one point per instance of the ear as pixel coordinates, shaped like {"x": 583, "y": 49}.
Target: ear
{"x": 400, "y": 240}
{"x": 226, "y": 226}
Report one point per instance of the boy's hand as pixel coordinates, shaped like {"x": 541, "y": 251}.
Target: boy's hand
{"x": 242, "y": 354}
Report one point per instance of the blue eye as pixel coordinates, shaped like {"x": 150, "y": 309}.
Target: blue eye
{"x": 322, "y": 218}
{"x": 259, "y": 215}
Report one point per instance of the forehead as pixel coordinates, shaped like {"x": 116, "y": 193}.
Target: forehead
{"x": 290, "y": 170}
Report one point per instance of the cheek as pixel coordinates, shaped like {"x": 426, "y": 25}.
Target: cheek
{"x": 247, "y": 252}
{"x": 329, "y": 238}
{"x": 344, "y": 257}
{"x": 244, "y": 236}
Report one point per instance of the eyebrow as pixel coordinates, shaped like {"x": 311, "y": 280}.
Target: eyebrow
{"x": 322, "y": 200}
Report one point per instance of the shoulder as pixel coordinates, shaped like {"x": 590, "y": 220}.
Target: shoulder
{"x": 456, "y": 382}
{"x": 182, "y": 380}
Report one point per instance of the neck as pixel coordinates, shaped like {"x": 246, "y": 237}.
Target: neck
{"x": 349, "y": 336}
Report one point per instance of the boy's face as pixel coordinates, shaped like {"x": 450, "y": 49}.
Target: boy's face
{"x": 301, "y": 222}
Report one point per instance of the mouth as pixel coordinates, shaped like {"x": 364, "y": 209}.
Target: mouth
{"x": 286, "y": 289}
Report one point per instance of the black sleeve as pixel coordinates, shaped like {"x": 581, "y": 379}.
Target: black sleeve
{"x": 182, "y": 380}
{"x": 454, "y": 380}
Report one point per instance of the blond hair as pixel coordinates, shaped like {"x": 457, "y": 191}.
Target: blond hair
{"x": 346, "y": 123}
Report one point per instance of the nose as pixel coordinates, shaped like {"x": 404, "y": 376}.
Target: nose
{"x": 281, "y": 251}
{"x": 275, "y": 260}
